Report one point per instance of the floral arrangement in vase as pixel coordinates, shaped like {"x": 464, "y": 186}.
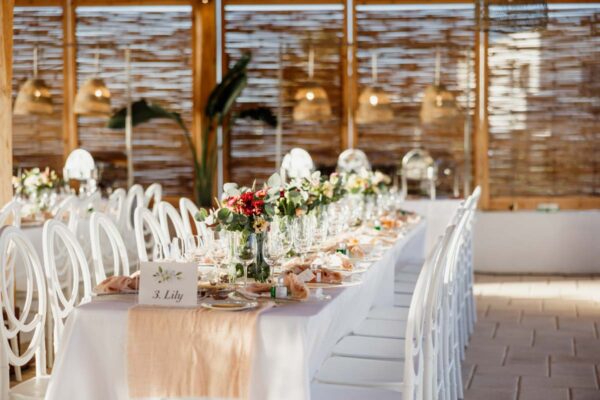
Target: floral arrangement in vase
{"x": 38, "y": 188}
{"x": 367, "y": 183}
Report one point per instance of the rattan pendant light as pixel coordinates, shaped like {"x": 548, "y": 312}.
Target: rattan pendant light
{"x": 374, "y": 105}
{"x": 34, "y": 96}
{"x": 93, "y": 97}
{"x": 439, "y": 105}
{"x": 312, "y": 102}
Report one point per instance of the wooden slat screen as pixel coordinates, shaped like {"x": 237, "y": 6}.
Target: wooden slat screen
{"x": 261, "y": 30}
{"x": 406, "y": 38}
{"x": 37, "y": 140}
{"x": 160, "y": 43}
{"x": 544, "y": 107}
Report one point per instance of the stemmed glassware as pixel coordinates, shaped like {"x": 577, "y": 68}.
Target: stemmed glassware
{"x": 158, "y": 252}
{"x": 303, "y": 230}
{"x": 275, "y": 246}
{"x": 245, "y": 250}
{"x": 219, "y": 248}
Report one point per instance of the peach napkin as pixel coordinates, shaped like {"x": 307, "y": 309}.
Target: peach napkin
{"x": 117, "y": 284}
{"x": 190, "y": 352}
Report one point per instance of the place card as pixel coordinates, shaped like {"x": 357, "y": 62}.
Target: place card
{"x": 169, "y": 284}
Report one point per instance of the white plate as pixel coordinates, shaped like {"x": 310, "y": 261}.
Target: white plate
{"x": 332, "y": 285}
{"x": 116, "y": 293}
{"x": 229, "y": 305}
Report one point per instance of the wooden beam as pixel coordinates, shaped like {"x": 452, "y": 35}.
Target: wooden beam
{"x": 481, "y": 141}
{"x": 507, "y": 203}
{"x": 6, "y": 45}
{"x": 70, "y": 134}
{"x": 349, "y": 73}
{"x": 204, "y": 66}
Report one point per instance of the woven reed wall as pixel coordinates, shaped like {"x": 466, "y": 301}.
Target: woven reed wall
{"x": 160, "y": 43}
{"x": 406, "y": 39}
{"x": 544, "y": 107}
{"x": 37, "y": 140}
{"x": 261, "y": 32}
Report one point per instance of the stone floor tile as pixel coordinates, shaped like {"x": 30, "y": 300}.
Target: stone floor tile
{"x": 584, "y": 394}
{"x": 542, "y": 393}
{"x": 489, "y": 394}
{"x": 513, "y": 370}
{"x": 557, "y": 381}
{"x": 545, "y": 322}
{"x": 492, "y": 381}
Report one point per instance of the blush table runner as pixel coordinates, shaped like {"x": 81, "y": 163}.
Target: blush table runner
{"x": 190, "y": 353}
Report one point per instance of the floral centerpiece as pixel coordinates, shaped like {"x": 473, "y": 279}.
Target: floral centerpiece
{"x": 37, "y": 186}
{"x": 244, "y": 211}
{"x": 367, "y": 183}
{"x": 322, "y": 190}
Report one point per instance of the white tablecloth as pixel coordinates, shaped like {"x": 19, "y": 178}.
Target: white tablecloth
{"x": 292, "y": 340}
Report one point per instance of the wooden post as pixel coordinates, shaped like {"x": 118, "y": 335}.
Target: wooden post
{"x": 70, "y": 134}
{"x": 481, "y": 138}
{"x": 349, "y": 73}
{"x": 204, "y": 66}
{"x": 6, "y": 44}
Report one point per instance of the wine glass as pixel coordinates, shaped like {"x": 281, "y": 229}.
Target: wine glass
{"x": 303, "y": 229}
{"x": 219, "y": 249}
{"x": 176, "y": 250}
{"x": 193, "y": 247}
{"x": 245, "y": 249}
{"x": 273, "y": 249}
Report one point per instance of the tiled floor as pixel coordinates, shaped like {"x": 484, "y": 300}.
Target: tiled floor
{"x": 537, "y": 337}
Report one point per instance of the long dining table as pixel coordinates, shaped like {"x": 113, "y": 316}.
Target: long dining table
{"x": 292, "y": 340}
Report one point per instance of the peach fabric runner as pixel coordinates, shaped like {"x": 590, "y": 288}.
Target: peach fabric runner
{"x": 190, "y": 352}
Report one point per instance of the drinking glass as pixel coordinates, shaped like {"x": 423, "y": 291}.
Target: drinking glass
{"x": 176, "y": 250}
{"x": 274, "y": 249}
{"x": 244, "y": 250}
{"x": 194, "y": 248}
{"x": 303, "y": 234}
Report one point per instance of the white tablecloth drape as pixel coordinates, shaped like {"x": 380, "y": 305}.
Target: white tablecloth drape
{"x": 292, "y": 340}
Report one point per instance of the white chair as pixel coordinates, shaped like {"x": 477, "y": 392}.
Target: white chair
{"x": 142, "y": 219}
{"x": 11, "y": 213}
{"x": 135, "y": 198}
{"x": 188, "y": 211}
{"x": 353, "y": 160}
{"x": 67, "y": 212}
{"x": 102, "y": 226}
{"x": 167, "y": 213}
{"x": 153, "y": 194}
{"x": 297, "y": 164}
{"x": 116, "y": 205}
{"x": 63, "y": 280}
{"x": 30, "y": 322}
{"x": 397, "y": 375}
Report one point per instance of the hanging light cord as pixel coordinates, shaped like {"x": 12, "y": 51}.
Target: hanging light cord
{"x": 35, "y": 61}
{"x": 97, "y": 61}
{"x": 311, "y": 63}
{"x": 374, "y": 66}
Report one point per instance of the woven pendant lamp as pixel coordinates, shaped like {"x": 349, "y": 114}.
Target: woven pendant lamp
{"x": 312, "y": 102}
{"x": 93, "y": 97}
{"x": 439, "y": 105}
{"x": 34, "y": 97}
{"x": 374, "y": 105}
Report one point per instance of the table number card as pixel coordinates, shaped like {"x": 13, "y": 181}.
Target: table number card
{"x": 167, "y": 283}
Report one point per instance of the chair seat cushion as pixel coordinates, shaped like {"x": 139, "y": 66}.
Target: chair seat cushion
{"x": 34, "y": 388}
{"x": 321, "y": 391}
{"x": 370, "y": 347}
{"x": 362, "y": 372}
{"x": 393, "y": 313}
{"x": 382, "y": 328}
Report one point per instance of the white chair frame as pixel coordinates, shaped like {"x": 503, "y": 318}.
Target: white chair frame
{"x": 188, "y": 211}
{"x": 120, "y": 261}
{"x": 76, "y": 271}
{"x": 135, "y": 198}
{"x": 142, "y": 218}
{"x": 13, "y": 240}
{"x": 153, "y": 194}
{"x": 166, "y": 213}
{"x": 116, "y": 205}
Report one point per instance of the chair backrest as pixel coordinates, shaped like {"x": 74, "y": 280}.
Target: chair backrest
{"x": 10, "y": 214}
{"x": 353, "y": 160}
{"x": 30, "y": 322}
{"x": 166, "y": 213}
{"x": 418, "y": 330}
{"x": 64, "y": 280}
{"x": 142, "y": 218}
{"x": 153, "y": 194}
{"x": 297, "y": 164}
{"x": 102, "y": 226}
{"x": 116, "y": 205}
{"x": 67, "y": 212}
{"x": 134, "y": 199}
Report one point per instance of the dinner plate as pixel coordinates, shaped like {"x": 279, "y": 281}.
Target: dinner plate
{"x": 229, "y": 305}
{"x": 116, "y": 293}
{"x": 332, "y": 285}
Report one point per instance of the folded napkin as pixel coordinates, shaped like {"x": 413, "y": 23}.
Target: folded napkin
{"x": 118, "y": 284}
{"x": 185, "y": 353}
